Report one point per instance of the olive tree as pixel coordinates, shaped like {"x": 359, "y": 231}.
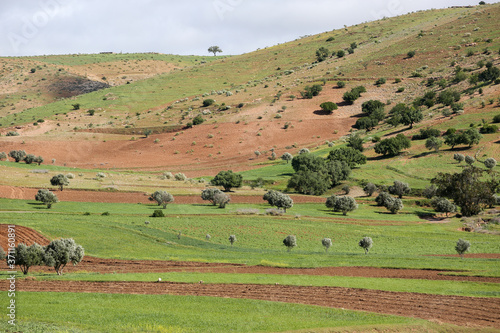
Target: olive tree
{"x": 382, "y": 198}
{"x": 366, "y": 243}
{"x": 443, "y": 205}
{"x": 287, "y": 157}
{"x": 209, "y": 194}
{"x": 61, "y": 252}
{"x": 290, "y": 242}
{"x": 394, "y": 205}
{"x": 59, "y": 180}
{"x": 399, "y": 188}
{"x": 28, "y": 256}
{"x": 369, "y": 189}
{"x": 345, "y": 204}
{"x": 46, "y": 197}
{"x": 232, "y": 239}
{"x": 462, "y": 247}
{"x": 469, "y": 160}
{"x": 3, "y": 156}
{"x": 278, "y": 199}
{"x": 221, "y": 199}
{"x": 17, "y": 155}
{"x": 162, "y": 198}
{"x": 327, "y": 243}
{"x": 459, "y": 158}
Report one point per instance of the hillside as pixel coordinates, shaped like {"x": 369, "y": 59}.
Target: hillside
{"x": 252, "y": 94}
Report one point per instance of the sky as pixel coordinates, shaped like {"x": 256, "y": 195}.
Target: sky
{"x": 188, "y": 27}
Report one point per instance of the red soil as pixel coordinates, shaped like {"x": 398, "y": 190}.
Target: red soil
{"x": 26, "y": 193}
{"x": 463, "y": 311}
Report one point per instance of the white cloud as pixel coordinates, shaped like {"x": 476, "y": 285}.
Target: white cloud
{"x": 35, "y": 27}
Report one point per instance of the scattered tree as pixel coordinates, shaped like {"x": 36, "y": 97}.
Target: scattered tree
{"x": 209, "y": 194}
{"x": 214, "y": 49}
{"x": 59, "y": 180}
{"x": 328, "y": 107}
{"x": 355, "y": 141}
{"x": 345, "y": 204}
{"x": 443, "y": 205}
{"x": 147, "y": 132}
{"x": 232, "y": 239}
{"x": 346, "y": 189}
{"x": 162, "y": 198}
{"x": 459, "y": 158}
{"x": 3, "y": 156}
{"x": 17, "y": 155}
{"x": 287, "y": 157}
{"x": 369, "y": 189}
{"x": 462, "y": 247}
{"x": 394, "y": 205}
{"x": 382, "y": 198}
{"x": 221, "y": 199}
{"x": 28, "y": 256}
{"x": 399, "y": 188}
{"x": 61, "y": 252}
{"x": 393, "y": 146}
{"x": 278, "y": 199}
{"x": 349, "y": 155}
{"x": 430, "y": 191}
{"x": 366, "y": 243}
{"x": 228, "y": 180}
{"x": 207, "y": 102}
{"x": 327, "y": 243}
{"x": 433, "y": 143}
{"x": 290, "y": 242}
{"x": 469, "y": 160}
{"x": 46, "y": 197}
{"x": 322, "y": 54}
{"x": 411, "y": 54}
{"x": 311, "y": 91}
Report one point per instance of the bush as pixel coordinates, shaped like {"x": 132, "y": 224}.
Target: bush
{"x": 469, "y": 160}
{"x": 380, "y": 82}
{"x": 369, "y": 189}
{"x": 322, "y": 54}
{"x": 459, "y": 158}
{"x": 198, "y": 120}
{"x": 290, "y": 242}
{"x": 488, "y": 129}
{"x": 328, "y": 107}
{"x": 3, "y": 156}
{"x": 59, "y": 180}
{"x": 158, "y": 213}
{"x": 274, "y": 212}
{"x": 490, "y": 163}
{"x": 310, "y": 92}
{"x": 340, "y": 84}
{"x": 341, "y": 53}
{"x": 278, "y": 199}
{"x": 12, "y": 133}
{"x": 345, "y": 204}
{"x": 411, "y": 54}
{"x": 367, "y": 123}
{"x": 180, "y": 176}
{"x": 366, "y": 243}
{"x": 427, "y": 133}
{"x": 433, "y": 143}
{"x": 207, "y": 102}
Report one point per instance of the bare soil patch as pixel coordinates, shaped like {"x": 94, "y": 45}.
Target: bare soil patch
{"x": 463, "y": 311}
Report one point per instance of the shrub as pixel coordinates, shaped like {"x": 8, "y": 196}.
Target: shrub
{"x": 198, "y": 120}
{"x": 232, "y": 239}
{"x": 278, "y": 199}
{"x": 180, "y": 176}
{"x": 340, "y": 84}
{"x": 469, "y": 160}
{"x": 287, "y": 157}
{"x": 274, "y": 212}
{"x": 427, "y": 133}
{"x": 366, "y": 243}
{"x": 443, "y": 205}
{"x": 46, "y": 197}
{"x": 327, "y": 243}
{"x": 158, "y": 213}
{"x": 496, "y": 118}
{"x": 76, "y": 106}
{"x": 12, "y": 133}
{"x": 429, "y": 191}
{"x": 459, "y": 158}
{"x": 91, "y": 112}
{"x": 462, "y": 247}
{"x": 380, "y": 82}
{"x": 3, "y": 156}
{"x": 367, "y": 123}
{"x": 488, "y": 129}
{"x": 328, "y": 107}
{"x": 17, "y": 155}
{"x": 309, "y": 92}
{"x": 411, "y": 54}
{"x": 346, "y": 189}
{"x": 207, "y": 102}
{"x": 490, "y": 163}
{"x": 290, "y": 242}
{"x": 340, "y": 53}
{"x": 433, "y": 143}
{"x": 59, "y": 180}
{"x": 322, "y": 54}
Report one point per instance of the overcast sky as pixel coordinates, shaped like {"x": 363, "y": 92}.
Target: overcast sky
{"x": 38, "y": 27}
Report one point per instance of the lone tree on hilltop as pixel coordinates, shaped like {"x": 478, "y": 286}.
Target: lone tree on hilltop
{"x": 46, "y": 197}
{"x": 290, "y": 242}
{"x": 209, "y": 194}
{"x": 327, "y": 243}
{"x": 366, "y": 243}
{"x": 28, "y": 256}
{"x": 214, "y": 49}
{"x": 228, "y": 180}
{"x": 462, "y": 247}
{"x": 61, "y": 252}
{"x": 162, "y": 198}
{"x": 59, "y": 180}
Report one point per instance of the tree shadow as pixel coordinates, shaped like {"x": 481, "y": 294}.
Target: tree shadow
{"x": 344, "y": 103}
{"x": 322, "y": 113}
{"x": 397, "y": 132}
{"x": 288, "y": 174}
{"x": 358, "y": 115}
{"x": 426, "y": 153}
{"x": 379, "y": 157}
